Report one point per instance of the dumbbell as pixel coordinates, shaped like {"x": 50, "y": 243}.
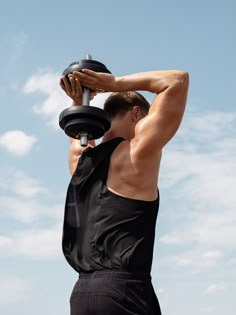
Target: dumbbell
{"x": 85, "y": 122}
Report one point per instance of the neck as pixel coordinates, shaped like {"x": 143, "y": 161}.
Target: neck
{"x": 118, "y": 129}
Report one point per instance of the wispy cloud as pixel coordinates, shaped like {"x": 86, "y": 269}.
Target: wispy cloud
{"x": 216, "y": 287}
{"x": 29, "y": 211}
{"x": 196, "y": 259}
{"x": 200, "y": 167}
{"x": 199, "y": 173}
{"x": 22, "y": 200}
{"x": 4, "y": 241}
{"x": 39, "y": 222}
{"x": 20, "y": 184}
{"x": 47, "y": 83}
{"x": 13, "y": 289}
{"x": 40, "y": 244}
{"x": 99, "y": 100}
{"x": 33, "y": 243}
{"x": 17, "y": 142}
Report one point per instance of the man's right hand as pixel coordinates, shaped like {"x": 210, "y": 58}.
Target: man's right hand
{"x": 72, "y": 87}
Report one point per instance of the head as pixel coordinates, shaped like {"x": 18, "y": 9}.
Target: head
{"x": 125, "y": 110}
{"x": 119, "y": 104}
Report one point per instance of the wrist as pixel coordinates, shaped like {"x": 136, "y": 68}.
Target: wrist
{"x": 76, "y": 103}
{"x": 120, "y": 84}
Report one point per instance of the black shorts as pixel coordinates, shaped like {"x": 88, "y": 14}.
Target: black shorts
{"x": 113, "y": 292}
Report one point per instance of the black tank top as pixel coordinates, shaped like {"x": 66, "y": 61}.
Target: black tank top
{"x": 103, "y": 230}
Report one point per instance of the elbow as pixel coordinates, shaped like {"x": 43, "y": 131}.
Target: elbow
{"x": 182, "y": 79}
{"x": 179, "y": 82}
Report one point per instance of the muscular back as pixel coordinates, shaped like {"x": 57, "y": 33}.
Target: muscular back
{"x": 132, "y": 176}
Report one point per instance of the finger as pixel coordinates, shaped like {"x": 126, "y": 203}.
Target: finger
{"x": 89, "y": 72}
{"x": 67, "y": 85}
{"x": 79, "y": 90}
{"x": 72, "y": 84}
{"x": 82, "y": 78}
{"x": 62, "y": 85}
{"x": 86, "y": 80}
{"x": 78, "y": 74}
{"x": 86, "y": 75}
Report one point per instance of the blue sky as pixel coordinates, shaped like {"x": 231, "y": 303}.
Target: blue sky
{"x": 194, "y": 266}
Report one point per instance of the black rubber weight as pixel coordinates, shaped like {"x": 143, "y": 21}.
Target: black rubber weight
{"x": 92, "y": 120}
{"x": 86, "y": 64}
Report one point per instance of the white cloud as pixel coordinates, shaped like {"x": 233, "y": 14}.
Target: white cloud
{"x": 29, "y": 211}
{"x": 171, "y": 238}
{"x": 13, "y": 289}
{"x": 22, "y": 201}
{"x": 39, "y": 234}
{"x": 199, "y": 167}
{"x": 4, "y": 242}
{"x": 206, "y": 126}
{"x": 160, "y": 291}
{"x": 21, "y": 184}
{"x": 213, "y": 254}
{"x": 47, "y": 83}
{"x": 195, "y": 259}
{"x": 100, "y": 99}
{"x": 35, "y": 244}
{"x": 17, "y": 142}
{"x": 40, "y": 244}
{"x": 213, "y": 288}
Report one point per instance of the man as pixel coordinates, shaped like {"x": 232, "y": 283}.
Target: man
{"x": 113, "y": 199}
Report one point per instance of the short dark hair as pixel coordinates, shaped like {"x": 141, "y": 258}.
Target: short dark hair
{"x": 119, "y": 103}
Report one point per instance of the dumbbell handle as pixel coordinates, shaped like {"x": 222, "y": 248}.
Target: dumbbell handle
{"x": 86, "y": 92}
{"x": 85, "y": 102}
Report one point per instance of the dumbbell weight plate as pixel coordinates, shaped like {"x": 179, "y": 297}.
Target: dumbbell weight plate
{"x": 92, "y": 120}
{"x": 86, "y": 64}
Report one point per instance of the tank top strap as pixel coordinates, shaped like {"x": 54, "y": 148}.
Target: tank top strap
{"x": 90, "y": 159}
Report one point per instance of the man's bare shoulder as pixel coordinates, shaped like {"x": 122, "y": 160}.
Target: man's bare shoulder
{"x": 128, "y": 153}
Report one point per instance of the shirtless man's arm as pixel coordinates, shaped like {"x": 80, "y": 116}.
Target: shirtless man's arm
{"x": 166, "y": 111}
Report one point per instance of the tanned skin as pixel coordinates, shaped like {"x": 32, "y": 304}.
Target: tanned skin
{"x": 134, "y": 166}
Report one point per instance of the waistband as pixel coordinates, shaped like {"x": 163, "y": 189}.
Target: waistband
{"x": 115, "y": 273}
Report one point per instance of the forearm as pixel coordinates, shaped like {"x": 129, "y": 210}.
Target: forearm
{"x": 152, "y": 81}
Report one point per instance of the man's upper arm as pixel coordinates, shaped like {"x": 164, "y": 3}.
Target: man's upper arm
{"x": 75, "y": 152}
{"x": 163, "y": 120}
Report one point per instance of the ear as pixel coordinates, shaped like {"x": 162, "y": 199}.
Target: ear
{"x": 135, "y": 113}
